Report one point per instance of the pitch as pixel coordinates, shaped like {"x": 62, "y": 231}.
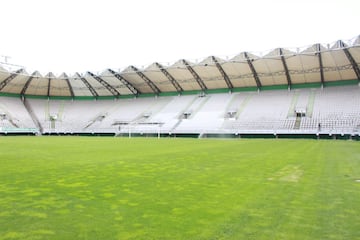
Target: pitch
{"x": 118, "y": 188}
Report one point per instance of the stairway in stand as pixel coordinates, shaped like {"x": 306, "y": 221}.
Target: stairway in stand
{"x": 297, "y": 123}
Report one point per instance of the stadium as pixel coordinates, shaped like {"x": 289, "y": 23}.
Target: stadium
{"x": 172, "y": 161}
{"x": 310, "y": 92}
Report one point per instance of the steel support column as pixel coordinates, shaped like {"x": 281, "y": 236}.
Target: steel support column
{"x": 125, "y": 82}
{"x": 318, "y": 53}
{"x": 11, "y": 77}
{"x": 87, "y": 84}
{"x": 71, "y": 90}
{"x": 171, "y": 78}
{"x": 288, "y": 78}
{"x": 105, "y": 84}
{"x": 354, "y": 65}
{"x": 26, "y": 86}
{"x": 49, "y": 86}
{"x": 252, "y": 68}
{"x": 153, "y": 87}
{"x": 195, "y": 75}
{"x": 223, "y": 73}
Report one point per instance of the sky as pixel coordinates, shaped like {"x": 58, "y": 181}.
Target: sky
{"x": 92, "y": 35}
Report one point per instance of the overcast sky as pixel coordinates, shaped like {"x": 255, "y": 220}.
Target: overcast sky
{"x": 80, "y": 35}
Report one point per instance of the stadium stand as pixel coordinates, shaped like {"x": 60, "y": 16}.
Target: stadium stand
{"x": 332, "y": 110}
{"x": 14, "y": 117}
{"x": 206, "y": 114}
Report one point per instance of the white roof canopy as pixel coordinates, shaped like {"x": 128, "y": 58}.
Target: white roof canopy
{"x": 314, "y": 64}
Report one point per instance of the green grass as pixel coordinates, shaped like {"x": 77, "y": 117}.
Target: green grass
{"x": 116, "y": 188}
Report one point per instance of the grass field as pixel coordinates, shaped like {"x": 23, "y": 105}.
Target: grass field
{"x": 117, "y": 188}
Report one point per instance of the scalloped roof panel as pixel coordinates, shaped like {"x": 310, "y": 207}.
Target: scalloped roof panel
{"x": 313, "y": 64}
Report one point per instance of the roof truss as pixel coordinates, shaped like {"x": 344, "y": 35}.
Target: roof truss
{"x": 87, "y": 84}
{"x": 252, "y": 68}
{"x": 170, "y": 77}
{"x": 49, "y": 87}
{"x": 288, "y": 78}
{"x": 147, "y": 80}
{"x": 318, "y": 52}
{"x": 11, "y": 77}
{"x": 195, "y": 75}
{"x": 223, "y": 73}
{"x": 351, "y": 59}
{"x": 22, "y": 93}
{"x": 125, "y": 82}
{"x": 69, "y": 85}
{"x": 105, "y": 84}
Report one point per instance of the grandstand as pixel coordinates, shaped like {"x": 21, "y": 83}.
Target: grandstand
{"x": 310, "y": 92}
